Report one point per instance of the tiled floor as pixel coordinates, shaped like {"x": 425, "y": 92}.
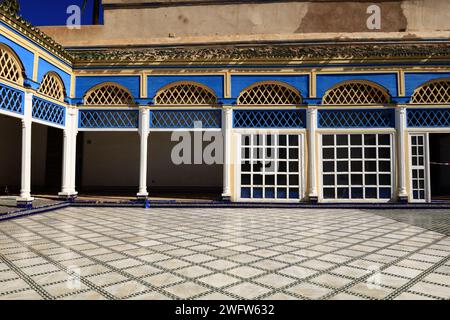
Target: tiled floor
{"x": 107, "y": 253}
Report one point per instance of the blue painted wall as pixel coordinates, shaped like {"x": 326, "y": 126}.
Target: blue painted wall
{"x": 83, "y": 84}
{"x": 27, "y": 57}
{"x": 240, "y": 82}
{"x": 214, "y": 82}
{"x": 387, "y": 80}
{"x": 416, "y": 79}
{"x": 45, "y": 67}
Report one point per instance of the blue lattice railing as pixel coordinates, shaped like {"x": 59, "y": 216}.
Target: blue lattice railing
{"x": 11, "y": 99}
{"x": 185, "y": 119}
{"x": 356, "y": 118}
{"x": 426, "y": 118}
{"x": 109, "y": 119}
{"x": 269, "y": 119}
{"x": 49, "y": 111}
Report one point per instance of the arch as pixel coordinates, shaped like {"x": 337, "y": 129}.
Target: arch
{"x": 52, "y": 86}
{"x": 359, "y": 92}
{"x": 108, "y": 94}
{"x": 11, "y": 67}
{"x": 185, "y": 93}
{"x": 270, "y": 93}
{"x": 436, "y": 91}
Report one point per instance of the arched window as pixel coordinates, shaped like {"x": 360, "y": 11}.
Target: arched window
{"x": 270, "y": 93}
{"x": 356, "y": 93}
{"x": 52, "y": 86}
{"x": 435, "y": 91}
{"x": 185, "y": 93}
{"x": 108, "y": 94}
{"x": 10, "y": 66}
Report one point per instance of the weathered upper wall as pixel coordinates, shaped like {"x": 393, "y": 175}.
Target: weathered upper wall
{"x": 137, "y": 22}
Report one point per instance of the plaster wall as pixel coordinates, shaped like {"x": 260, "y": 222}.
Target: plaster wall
{"x": 138, "y": 22}
{"x": 11, "y": 153}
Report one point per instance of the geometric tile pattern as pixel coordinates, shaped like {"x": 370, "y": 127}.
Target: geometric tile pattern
{"x": 269, "y": 94}
{"x": 10, "y": 68}
{"x": 356, "y": 118}
{"x": 52, "y": 86}
{"x": 269, "y": 119}
{"x": 106, "y": 119}
{"x": 108, "y": 94}
{"x": 356, "y": 93}
{"x": 48, "y": 111}
{"x": 11, "y": 99}
{"x": 173, "y": 253}
{"x": 433, "y": 118}
{"x": 437, "y": 91}
{"x": 185, "y": 119}
{"x": 186, "y": 93}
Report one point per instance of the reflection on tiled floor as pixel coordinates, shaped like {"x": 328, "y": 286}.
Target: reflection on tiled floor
{"x": 435, "y": 220}
{"x": 116, "y": 253}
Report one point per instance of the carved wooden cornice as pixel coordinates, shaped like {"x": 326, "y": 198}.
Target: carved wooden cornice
{"x": 9, "y": 15}
{"x": 266, "y": 52}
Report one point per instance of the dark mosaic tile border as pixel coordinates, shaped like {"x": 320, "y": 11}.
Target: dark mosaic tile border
{"x": 224, "y": 205}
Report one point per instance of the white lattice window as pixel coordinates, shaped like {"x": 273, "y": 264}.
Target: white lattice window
{"x": 357, "y": 167}
{"x": 186, "y": 94}
{"x": 10, "y": 68}
{"x": 356, "y": 93}
{"x": 270, "y": 94}
{"x": 52, "y": 86}
{"x": 271, "y": 167}
{"x": 108, "y": 94}
{"x": 437, "y": 91}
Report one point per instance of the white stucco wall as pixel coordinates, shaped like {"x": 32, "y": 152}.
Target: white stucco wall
{"x": 163, "y": 173}
{"x": 110, "y": 159}
{"x": 38, "y": 155}
{"x": 11, "y": 150}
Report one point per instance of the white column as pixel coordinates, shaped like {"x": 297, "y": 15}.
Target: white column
{"x": 144, "y": 130}
{"x": 66, "y": 164}
{"x": 227, "y": 126}
{"x": 312, "y": 158}
{"x": 25, "y": 199}
{"x": 73, "y": 152}
{"x": 400, "y": 123}
{"x": 69, "y": 155}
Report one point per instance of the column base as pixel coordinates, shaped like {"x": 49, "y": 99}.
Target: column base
{"x": 142, "y": 196}
{"x": 226, "y": 197}
{"x": 25, "y": 203}
{"x": 314, "y": 199}
{"x": 403, "y": 199}
{"x": 68, "y": 196}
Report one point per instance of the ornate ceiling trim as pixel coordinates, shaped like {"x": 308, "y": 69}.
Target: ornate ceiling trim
{"x": 266, "y": 52}
{"x": 9, "y": 15}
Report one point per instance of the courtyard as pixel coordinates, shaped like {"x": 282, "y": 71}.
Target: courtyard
{"x": 204, "y": 254}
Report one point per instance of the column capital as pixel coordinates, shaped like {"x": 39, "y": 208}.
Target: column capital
{"x": 400, "y": 109}
{"x": 312, "y": 112}
{"x": 144, "y": 109}
{"x": 72, "y": 111}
